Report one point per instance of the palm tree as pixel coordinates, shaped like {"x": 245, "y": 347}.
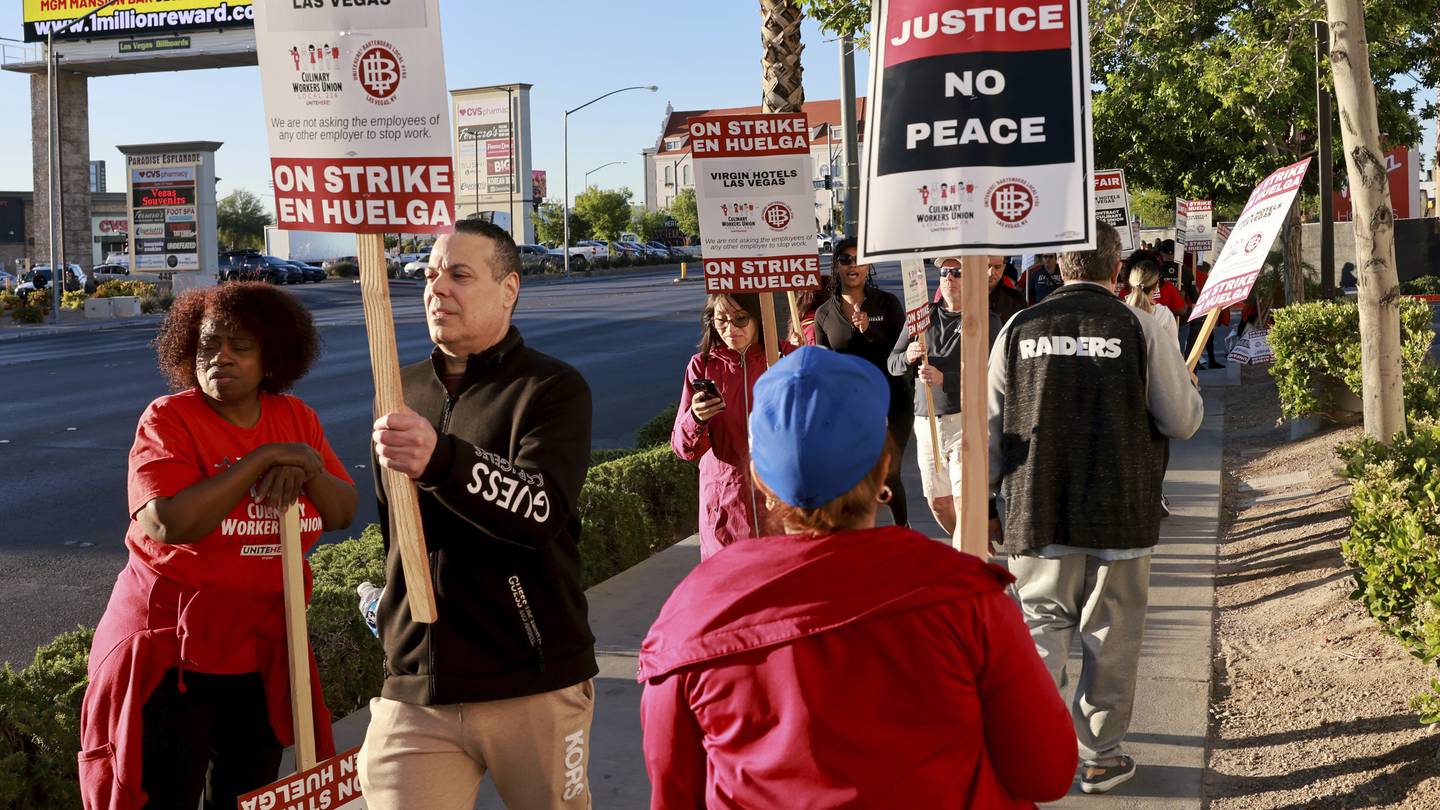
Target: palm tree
{"x": 783, "y": 90}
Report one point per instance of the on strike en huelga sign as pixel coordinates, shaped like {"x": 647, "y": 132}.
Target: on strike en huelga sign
{"x": 331, "y": 785}
{"x": 917, "y": 297}
{"x": 1112, "y": 204}
{"x": 358, "y": 115}
{"x": 1243, "y": 256}
{"x": 1193, "y": 226}
{"x": 979, "y": 138}
{"x": 756, "y": 204}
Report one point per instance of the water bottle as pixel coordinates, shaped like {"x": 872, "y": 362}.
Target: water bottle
{"x": 369, "y": 605}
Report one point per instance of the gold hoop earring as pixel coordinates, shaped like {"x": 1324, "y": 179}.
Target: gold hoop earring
{"x": 886, "y": 493}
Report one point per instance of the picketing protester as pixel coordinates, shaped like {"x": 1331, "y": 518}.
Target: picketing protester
{"x": 1189, "y": 293}
{"x": 710, "y": 425}
{"x": 939, "y": 368}
{"x": 864, "y": 320}
{"x": 840, "y": 664}
{"x": 803, "y": 333}
{"x": 1041, "y": 279}
{"x": 189, "y": 691}
{"x": 1168, "y": 294}
{"x": 1144, "y": 282}
{"x": 1202, "y": 276}
{"x": 1084, "y": 394}
{"x": 1005, "y": 300}
{"x": 496, "y": 437}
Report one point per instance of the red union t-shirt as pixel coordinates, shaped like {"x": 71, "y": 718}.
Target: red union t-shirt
{"x": 180, "y": 442}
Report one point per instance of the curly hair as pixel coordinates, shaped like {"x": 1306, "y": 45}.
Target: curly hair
{"x": 289, "y": 343}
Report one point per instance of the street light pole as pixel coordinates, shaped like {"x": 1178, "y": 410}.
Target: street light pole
{"x": 598, "y": 168}
{"x": 1326, "y": 173}
{"x": 566, "y": 208}
{"x": 55, "y": 186}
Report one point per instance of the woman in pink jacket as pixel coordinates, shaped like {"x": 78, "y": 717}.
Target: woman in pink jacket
{"x": 711, "y": 423}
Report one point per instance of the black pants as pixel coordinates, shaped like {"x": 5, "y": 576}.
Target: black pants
{"x": 212, "y": 739}
{"x": 900, "y": 430}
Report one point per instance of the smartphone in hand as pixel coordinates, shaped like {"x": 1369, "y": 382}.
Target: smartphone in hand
{"x": 706, "y": 386}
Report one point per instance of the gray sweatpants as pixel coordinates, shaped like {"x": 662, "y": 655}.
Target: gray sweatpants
{"x": 1106, "y": 601}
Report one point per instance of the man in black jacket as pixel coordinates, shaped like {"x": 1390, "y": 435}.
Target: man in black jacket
{"x": 1085, "y": 392}
{"x": 497, "y": 437}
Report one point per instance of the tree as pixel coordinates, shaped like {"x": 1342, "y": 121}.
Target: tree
{"x": 241, "y": 219}
{"x": 686, "y": 213}
{"x": 550, "y": 227}
{"x": 841, "y": 17}
{"x": 1382, "y": 392}
{"x": 650, "y": 224}
{"x": 608, "y": 212}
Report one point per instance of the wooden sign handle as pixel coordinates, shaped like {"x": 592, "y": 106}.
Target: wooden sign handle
{"x": 930, "y": 411}
{"x": 297, "y": 637}
{"x": 772, "y": 337}
{"x": 795, "y": 314}
{"x": 408, "y": 533}
{"x": 1203, "y": 338}
{"x": 973, "y": 523}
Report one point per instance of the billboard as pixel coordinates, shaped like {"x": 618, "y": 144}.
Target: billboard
{"x": 485, "y": 131}
{"x": 133, "y": 17}
{"x": 1402, "y": 167}
{"x": 163, "y": 218}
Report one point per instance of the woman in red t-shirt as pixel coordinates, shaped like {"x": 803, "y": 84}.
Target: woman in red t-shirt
{"x": 188, "y": 685}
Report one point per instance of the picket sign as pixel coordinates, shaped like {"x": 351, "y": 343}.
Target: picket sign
{"x": 330, "y": 785}
{"x": 392, "y": 173}
{"x": 917, "y": 321}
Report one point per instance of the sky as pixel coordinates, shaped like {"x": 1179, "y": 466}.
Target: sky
{"x": 701, "y": 54}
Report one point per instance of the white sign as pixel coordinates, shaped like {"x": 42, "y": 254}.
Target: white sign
{"x": 1193, "y": 225}
{"x": 1112, "y": 205}
{"x": 979, "y": 137}
{"x": 755, "y": 202}
{"x": 1243, "y": 257}
{"x": 357, "y": 111}
{"x": 917, "y": 297}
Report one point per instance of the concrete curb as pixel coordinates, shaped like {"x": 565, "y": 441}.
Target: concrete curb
{"x": 10, "y": 333}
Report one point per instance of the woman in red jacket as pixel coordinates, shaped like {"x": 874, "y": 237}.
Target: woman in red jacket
{"x": 188, "y": 688}
{"x": 842, "y": 665}
{"x": 710, "y": 425}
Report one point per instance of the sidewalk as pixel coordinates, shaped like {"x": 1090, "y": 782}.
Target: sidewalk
{"x": 1167, "y": 734}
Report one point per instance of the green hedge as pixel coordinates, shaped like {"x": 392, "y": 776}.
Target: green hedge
{"x": 1424, "y": 285}
{"x": 1322, "y": 339}
{"x": 1394, "y": 541}
{"x": 40, "y": 725}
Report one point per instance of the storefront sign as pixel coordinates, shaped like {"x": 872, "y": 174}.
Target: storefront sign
{"x": 979, "y": 138}
{"x": 356, "y": 107}
{"x": 755, "y": 203}
{"x": 163, "y": 191}
{"x": 1243, "y": 256}
{"x": 484, "y": 147}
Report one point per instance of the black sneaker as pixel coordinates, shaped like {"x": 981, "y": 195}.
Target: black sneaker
{"x": 1217, "y": 365}
{"x": 1102, "y": 778}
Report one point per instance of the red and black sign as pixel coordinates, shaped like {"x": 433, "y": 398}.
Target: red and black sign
{"x": 162, "y": 196}
{"x": 999, "y": 80}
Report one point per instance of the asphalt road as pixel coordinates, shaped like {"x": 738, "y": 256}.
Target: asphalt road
{"x": 75, "y": 399}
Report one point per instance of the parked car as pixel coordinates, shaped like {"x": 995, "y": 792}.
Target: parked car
{"x": 101, "y": 273}
{"x": 415, "y": 268}
{"x": 662, "y": 249}
{"x": 332, "y": 265}
{"x": 308, "y": 272}
{"x": 691, "y": 251}
{"x": 289, "y": 273}
{"x": 249, "y": 265}
{"x": 535, "y": 258}
{"x": 824, "y": 242}
{"x": 75, "y": 279}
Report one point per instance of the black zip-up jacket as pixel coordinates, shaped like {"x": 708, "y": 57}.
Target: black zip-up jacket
{"x": 498, "y": 505}
{"x": 942, "y": 344}
{"x": 887, "y": 322}
{"x": 1084, "y": 393}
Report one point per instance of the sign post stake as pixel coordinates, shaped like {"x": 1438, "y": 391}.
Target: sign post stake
{"x": 1204, "y": 337}
{"x": 399, "y": 489}
{"x": 930, "y": 411}
{"x": 297, "y": 637}
{"x": 767, "y": 317}
{"x": 794, "y": 310}
{"x": 973, "y": 523}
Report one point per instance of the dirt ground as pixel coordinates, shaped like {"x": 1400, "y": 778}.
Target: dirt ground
{"x": 1310, "y": 702}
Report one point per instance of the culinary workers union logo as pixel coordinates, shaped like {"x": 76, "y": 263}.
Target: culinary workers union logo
{"x": 1253, "y": 242}
{"x": 1011, "y": 200}
{"x": 378, "y": 69}
{"x": 777, "y": 216}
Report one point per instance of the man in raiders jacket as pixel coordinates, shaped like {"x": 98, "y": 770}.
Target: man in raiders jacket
{"x": 1085, "y": 393}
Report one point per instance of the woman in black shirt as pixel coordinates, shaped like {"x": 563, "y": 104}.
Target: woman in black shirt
{"x": 864, "y": 320}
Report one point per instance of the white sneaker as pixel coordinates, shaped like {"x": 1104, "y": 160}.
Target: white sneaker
{"x": 1164, "y": 506}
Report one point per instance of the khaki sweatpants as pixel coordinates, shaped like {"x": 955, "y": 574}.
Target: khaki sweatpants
{"x": 536, "y": 748}
{"x": 1105, "y": 601}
